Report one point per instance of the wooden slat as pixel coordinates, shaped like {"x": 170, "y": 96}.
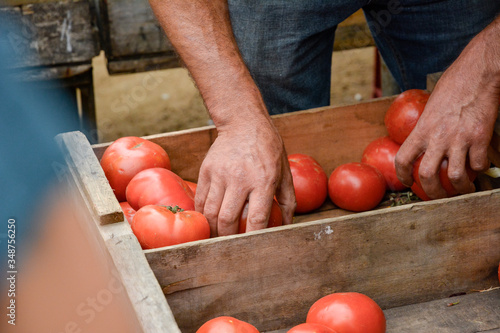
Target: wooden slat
{"x": 87, "y": 170}
{"x": 123, "y": 254}
{"x": 476, "y": 312}
{"x": 143, "y": 63}
{"x": 314, "y": 132}
{"x": 134, "y": 30}
{"x": 398, "y": 256}
{"x": 52, "y": 33}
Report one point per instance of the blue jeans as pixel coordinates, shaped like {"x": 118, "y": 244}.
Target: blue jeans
{"x": 287, "y": 44}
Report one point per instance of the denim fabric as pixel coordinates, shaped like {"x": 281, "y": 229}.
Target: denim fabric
{"x": 287, "y": 44}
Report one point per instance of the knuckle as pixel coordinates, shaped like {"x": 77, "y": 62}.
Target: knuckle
{"x": 257, "y": 221}
{"x": 456, "y": 176}
{"x": 426, "y": 174}
{"x": 210, "y": 213}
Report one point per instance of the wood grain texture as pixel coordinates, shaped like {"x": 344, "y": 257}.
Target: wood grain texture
{"x": 398, "y": 256}
{"x": 314, "y": 132}
{"x": 476, "y": 312}
{"x": 85, "y": 167}
{"x": 134, "y": 30}
{"x": 51, "y": 33}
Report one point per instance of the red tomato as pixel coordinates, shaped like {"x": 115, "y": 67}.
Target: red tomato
{"x": 309, "y": 181}
{"x": 126, "y": 157}
{"x": 404, "y": 112}
{"x": 348, "y": 312}
{"x": 192, "y": 186}
{"x": 158, "y": 186}
{"x": 381, "y": 153}
{"x": 128, "y": 211}
{"x": 356, "y": 186}
{"x": 443, "y": 177}
{"x": 227, "y": 325}
{"x": 157, "y": 226}
{"x": 311, "y": 328}
{"x": 275, "y": 219}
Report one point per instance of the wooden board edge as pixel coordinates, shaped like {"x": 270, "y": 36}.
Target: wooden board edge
{"x": 86, "y": 169}
{"x": 128, "y": 265}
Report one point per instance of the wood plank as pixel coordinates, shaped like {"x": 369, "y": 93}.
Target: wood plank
{"x": 315, "y": 132}
{"x": 124, "y": 257}
{"x": 52, "y": 73}
{"x": 134, "y": 30}
{"x": 143, "y": 63}
{"x": 398, "y": 256}
{"x": 83, "y": 162}
{"x": 476, "y": 312}
{"x": 51, "y": 33}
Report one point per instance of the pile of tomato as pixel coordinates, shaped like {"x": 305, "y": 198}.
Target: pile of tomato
{"x": 158, "y": 204}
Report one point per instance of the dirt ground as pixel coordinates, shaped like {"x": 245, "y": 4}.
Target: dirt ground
{"x": 167, "y": 100}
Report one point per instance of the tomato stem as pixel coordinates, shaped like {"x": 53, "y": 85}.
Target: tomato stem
{"x": 175, "y": 209}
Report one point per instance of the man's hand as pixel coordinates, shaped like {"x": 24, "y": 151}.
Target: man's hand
{"x": 458, "y": 121}
{"x": 244, "y": 163}
{"x": 247, "y": 160}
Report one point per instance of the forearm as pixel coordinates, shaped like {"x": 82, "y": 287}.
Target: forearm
{"x": 201, "y": 33}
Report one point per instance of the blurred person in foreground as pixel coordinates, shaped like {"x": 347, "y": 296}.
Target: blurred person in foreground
{"x": 250, "y": 59}
{"x": 52, "y": 272}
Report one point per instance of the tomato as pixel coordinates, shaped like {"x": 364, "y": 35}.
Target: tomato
{"x": 443, "y": 178}
{"x": 128, "y": 211}
{"x": 381, "y": 153}
{"x": 126, "y": 157}
{"x": 227, "y": 325}
{"x": 158, "y": 226}
{"x": 311, "y": 328}
{"x": 158, "y": 186}
{"x": 275, "y": 219}
{"x": 192, "y": 186}
{"x": 309, "y": 181}
{"x": 404, "y": 112}
{"x": 356, "y": 186}
{"x": 348, "y": 312}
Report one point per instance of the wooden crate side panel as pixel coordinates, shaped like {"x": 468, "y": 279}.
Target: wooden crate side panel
{"x": 52, "y": 33}
{"x": 124, "y": 255}
{"x": 332, "y": 135}
{"x": 398, "y": 256}
{"x": 134, "y": 30}
{"x": 90, "y": 175}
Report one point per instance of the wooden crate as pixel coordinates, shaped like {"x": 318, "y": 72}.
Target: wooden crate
{"x": 409, "y": 258}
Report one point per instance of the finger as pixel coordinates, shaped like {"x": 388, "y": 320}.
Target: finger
{"x": 285, "y": 195}
{"x": 409, "y": 151}
{"x": 478, "y": 157}
{"x": 259, "y": 209}
{"x": 230, "y": 211}
{"x": 429, "y": 175}
{"x": 457, "y": 173}
{"x": 212, "y": 206}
